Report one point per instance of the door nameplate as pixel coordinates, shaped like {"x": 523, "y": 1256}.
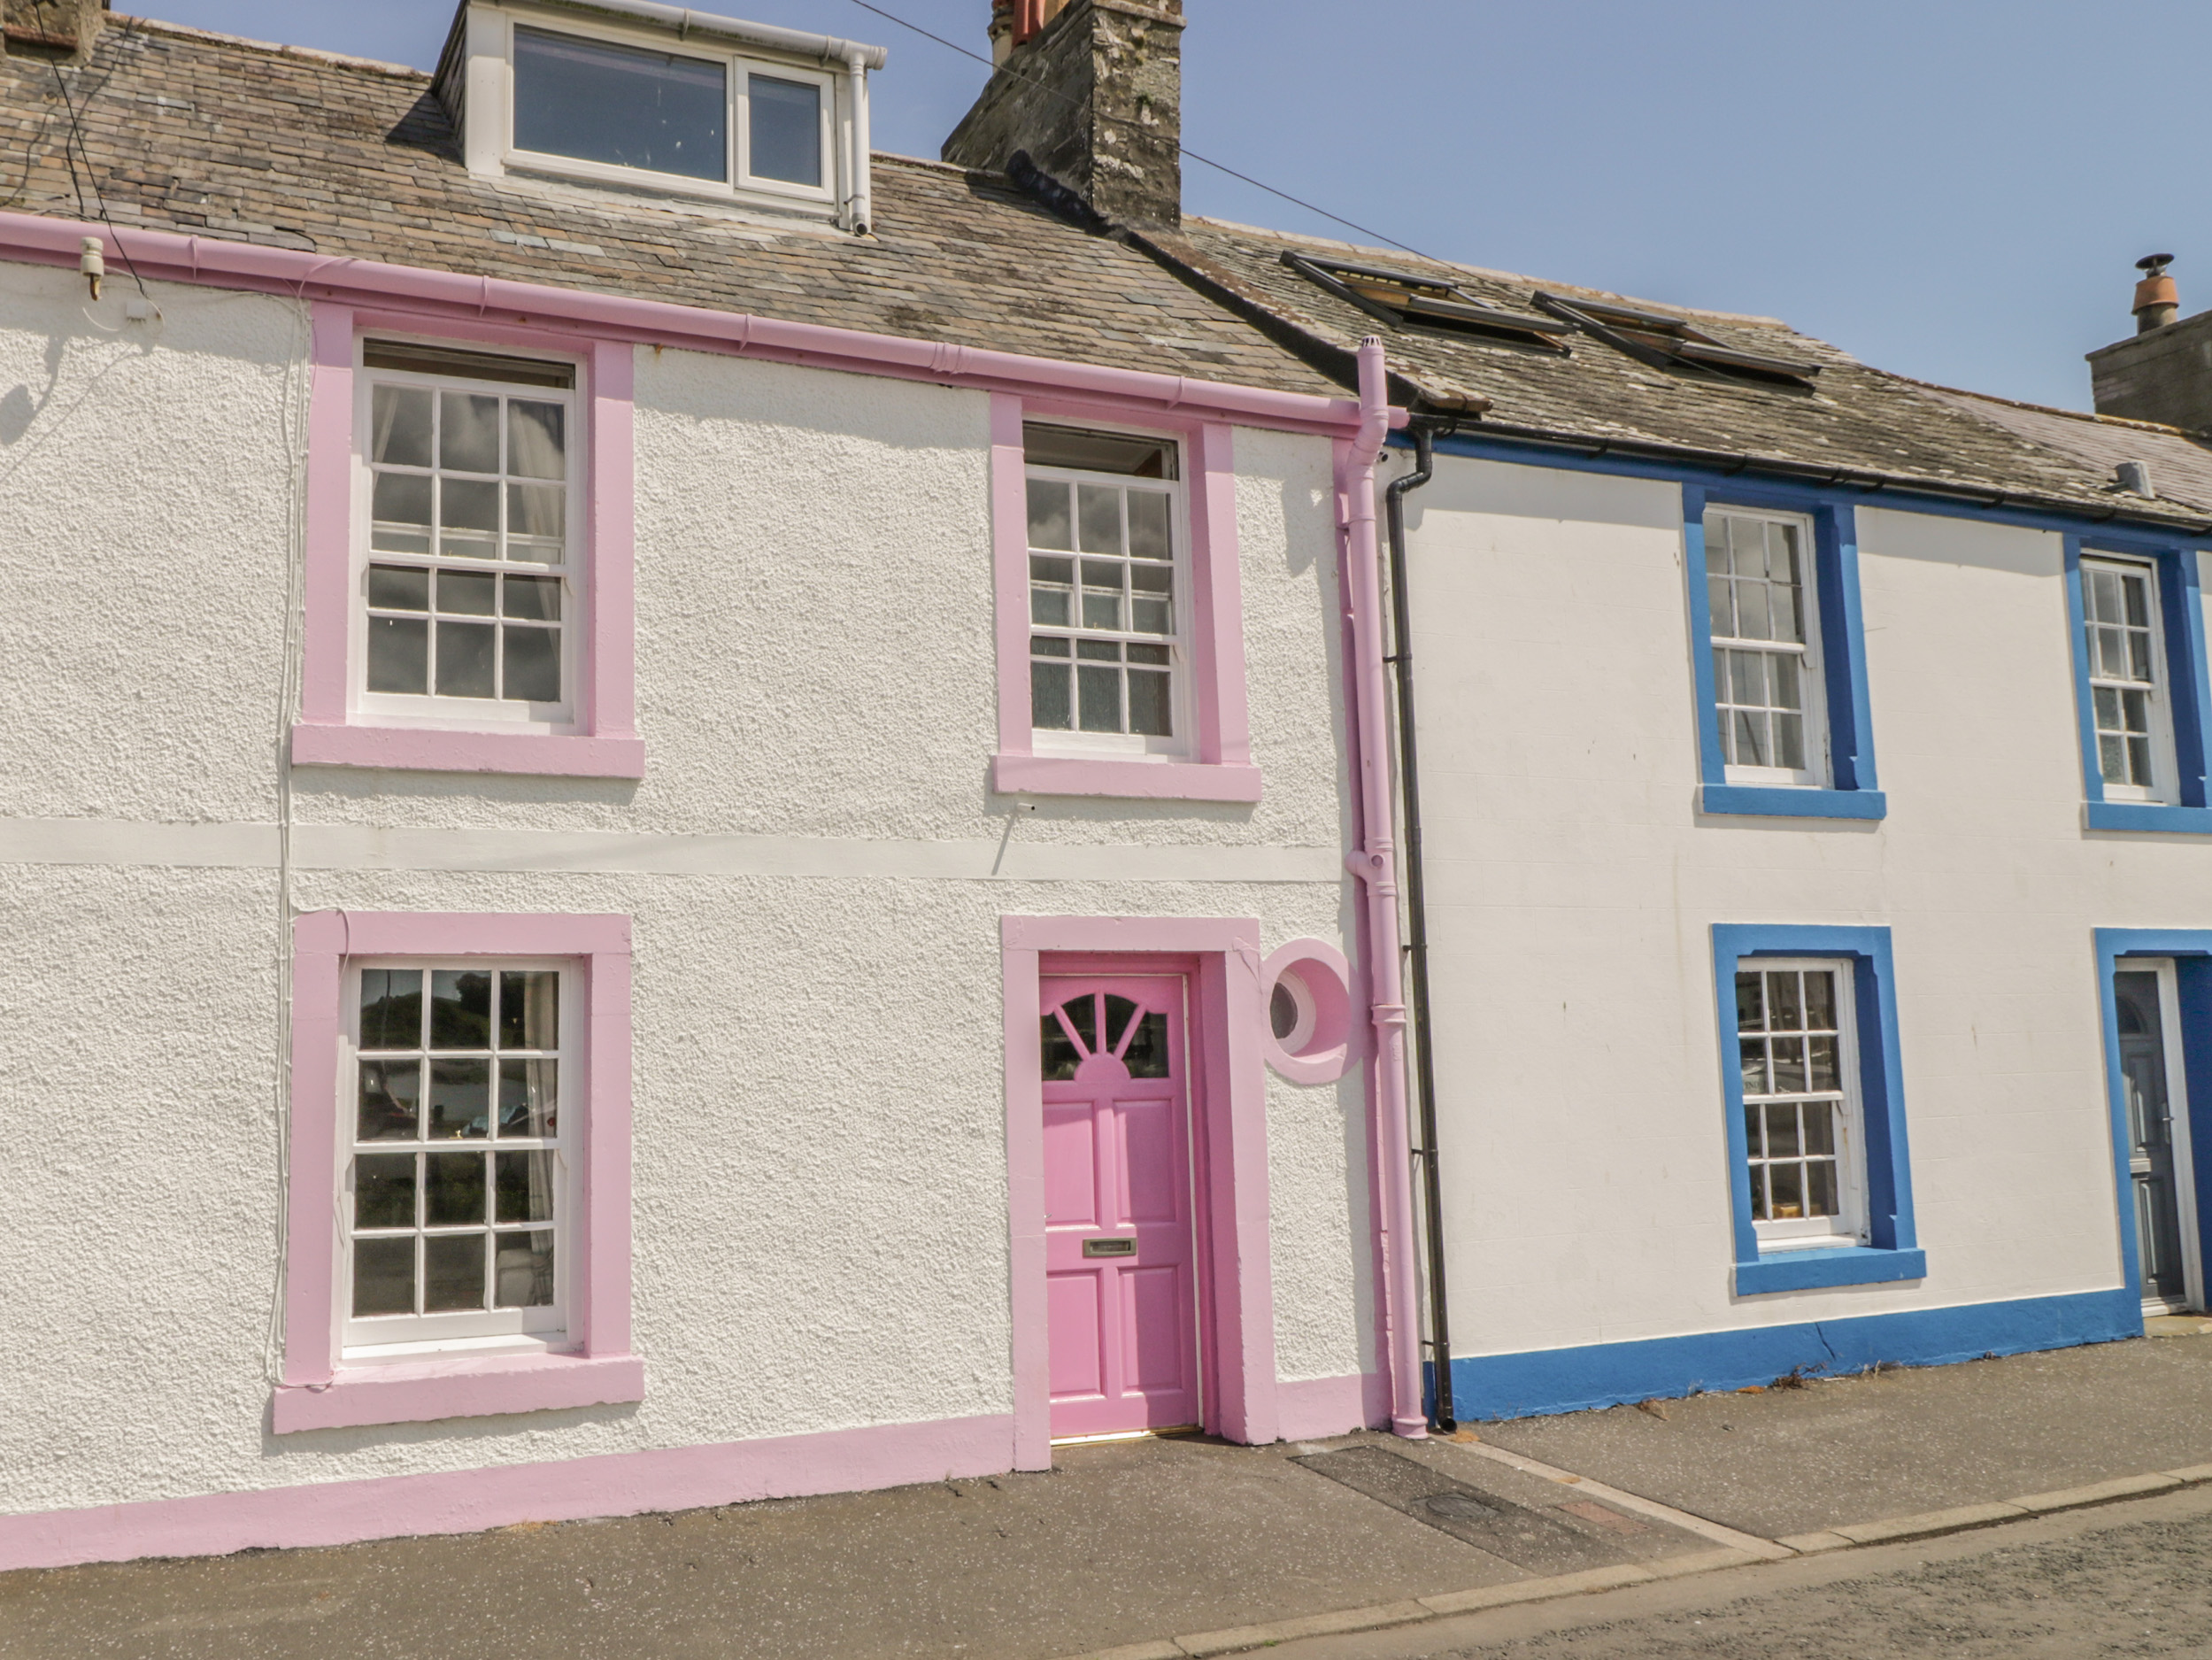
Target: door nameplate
{"x": 1109, "y": 1247}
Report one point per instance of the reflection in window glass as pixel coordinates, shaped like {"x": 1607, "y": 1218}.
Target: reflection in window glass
{"x": 785, "y": 132}
{"x": 595, "y": 101}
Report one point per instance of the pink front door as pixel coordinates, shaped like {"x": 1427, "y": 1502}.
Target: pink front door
{"x": 1120, "y": 1291}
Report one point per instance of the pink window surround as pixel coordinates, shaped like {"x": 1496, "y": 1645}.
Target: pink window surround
{"x": 319, "y": 1390}
{"x": 1326, "y": 1051}
{"x": 1219, "y": 768}
{"x": 470, "y": 1500}
{"x": 1229, "y": 1105}
{"x": 604, "y": 743}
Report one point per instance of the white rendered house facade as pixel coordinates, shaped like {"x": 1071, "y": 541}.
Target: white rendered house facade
{"x": 620, "y": 883}
{"x": 1816, "y": 895}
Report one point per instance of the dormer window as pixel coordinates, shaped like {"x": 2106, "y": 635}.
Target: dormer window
{"x": 764, "y": 117}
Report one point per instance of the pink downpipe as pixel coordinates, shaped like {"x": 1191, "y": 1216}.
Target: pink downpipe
{"x": 1375, "y": 864}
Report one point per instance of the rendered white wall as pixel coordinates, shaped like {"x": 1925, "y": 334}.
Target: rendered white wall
{"x": 820, "y": 1142}
{"x": 1574, "y": 889}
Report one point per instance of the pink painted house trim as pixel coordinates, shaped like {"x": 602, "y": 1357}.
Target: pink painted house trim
{"x": 1328, "y": 1054}
{"x": 1219, "y": 768}
{"x": 318, "y": 1390}
{"x": 469, "y": 1500}
{"x": 329, "y": 733}
{"x": 1312, "y": 1407}
{"x": 163, "y": 256}
{"x": 1229, "y": 1095}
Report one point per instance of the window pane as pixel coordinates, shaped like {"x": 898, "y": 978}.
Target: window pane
{"x": 1101, "y": 691}
{"x": 1785, "y": 1009}
{"x": 461, "y": 1008}
{"x": 460, "y": 1099}
{"x": 525, "y": 1187}
{"x": 1785, "y": 1186}
{"x": 1147, "y": 1055}
{"x": 468, "y": 432}
{"x": 1148, "y": 704}
{"x": 1755, "y": 1139}
{"x": 400, "y": 420}
{"x": 537, "y": 598}
{"x": 536, "y": 510}
{"x": 1789, "y": 1065}
{"x": 465, "y": 660}
{"x": 1060, "y": 1055}
{"x": 384, "y": 1276}
{"x": 384, "y": 1191}
{"x": 452, "y": 1272}
{"x": 397, "y": 588}
{"x": 470, "y": 593}
{"x": 527, "y": 1098}
{"x": 1716, "y": 547}
{"x": 453, "y": 1189}
{"x": 524, "y": 1269}
{"x": 402, "y": 497}
{"x": 1101, "y": 512}
{"x": 1751, "y": 611}
{"x": 1789, "y": 741}
{"x": 1781, "y": 552}
{"x": 1820, "y": 1128}
{"x": 391, "y": 1008}
{"x": 1789, "y": 620}
{"x": 1781, "y": 1131}
{"x": 1754, "y": 1051}
{"x": 2139, "y": 594}
{"x": 1820, "y": 1190}
{"x": 2112, "y": 653}
{"x": 1081, "y": 1014}
{"x": 1751, "y": 1002}
{"x": 1720, "y": 600}
{"x": 1049, "y": 516}
{"x": 1098, "y": 650}
{"x": 1820, "y": 1000}
{"x": 1101, "y": 610}
{"x": 529, "y": 1009}
{"x": 785, "y": 130}
{"x": 391, "y": 1101}
{"x": 537, "y": 444}
{"x": 1751, "y": 740}
{"x": 1825, "y": 1069}
{"x": 1149, "y": 535}
{"x": 1760, "y": 1210}
{"x": 467, "y": 503}
{"x": 1099, "y": 451}
{"x": 620, "y": 106}
{"x": 1748, "y": 675}
{"x": 531, "y": 669}
{"x": 1048, "y": 697}
{"x": 2112, "y": 758}
{"x": 2104, "y": 596}
{"x": 2139, "y": 761}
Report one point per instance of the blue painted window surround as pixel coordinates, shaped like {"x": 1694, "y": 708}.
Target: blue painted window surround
{"x": 2191, "y": 950}
{"x": 1893, "y": 1252}
{"x": 2188, "y": 697}
{"x": 1852, "y": 792}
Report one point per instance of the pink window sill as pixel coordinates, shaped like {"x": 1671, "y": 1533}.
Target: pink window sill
{"x": 419, "y": 749}
{"x": 464, "y": 1387}
{"x": 1133, "y": 780}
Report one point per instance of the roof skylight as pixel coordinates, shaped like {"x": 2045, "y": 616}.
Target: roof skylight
{"x": 1665, "y": 341}
{"x": 1402, "y": 297}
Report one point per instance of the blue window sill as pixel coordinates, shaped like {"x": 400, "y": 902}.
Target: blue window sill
{"x": 2148, "y": 815}
{"x": 1809, "y": 1270}
{"x": 1773, "y": 801}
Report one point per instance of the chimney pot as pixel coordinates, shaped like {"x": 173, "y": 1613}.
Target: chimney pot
{"x": 2157, "y": 301}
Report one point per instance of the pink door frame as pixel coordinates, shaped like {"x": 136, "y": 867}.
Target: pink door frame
{"x": 1221, "y": 958}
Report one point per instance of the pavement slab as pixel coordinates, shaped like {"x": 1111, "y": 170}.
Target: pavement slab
{"x": 1122, "y": 1544}
{"x": 1838, "y": 1453}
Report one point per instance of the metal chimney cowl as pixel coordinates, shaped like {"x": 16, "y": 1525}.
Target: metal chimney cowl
{"x": 1093, "y": 92}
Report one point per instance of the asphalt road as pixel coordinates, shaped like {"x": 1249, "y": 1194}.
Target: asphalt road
{"x": 2128, "y": 1580}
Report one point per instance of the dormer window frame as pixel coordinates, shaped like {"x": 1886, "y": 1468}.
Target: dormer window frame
{"x": 488, "y": 113}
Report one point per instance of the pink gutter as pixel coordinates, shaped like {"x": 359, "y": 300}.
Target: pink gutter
{"x": 1377, "y": 865}
{"x": 164, "y": 257}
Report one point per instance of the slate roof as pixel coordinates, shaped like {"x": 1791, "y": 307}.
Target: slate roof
{"x": 1858, "y": 424}
{"x": 2180, "y": 463}
{"x": 207, "y": 135}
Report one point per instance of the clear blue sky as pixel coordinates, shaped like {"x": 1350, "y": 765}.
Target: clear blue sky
{"x": 1955, "y": 189}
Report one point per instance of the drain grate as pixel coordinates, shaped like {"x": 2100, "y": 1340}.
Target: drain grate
{"x": 1526, "y": 1538}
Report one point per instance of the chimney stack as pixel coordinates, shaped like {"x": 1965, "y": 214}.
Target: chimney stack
{"x": 48, "y": 29}
{"x": 1092, "y": 91}
{"x": 2157, "y": 301}
{"x": 2163, "y": 371}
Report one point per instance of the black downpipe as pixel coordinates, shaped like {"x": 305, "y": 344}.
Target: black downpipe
{"x": 1417, "y": 924}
